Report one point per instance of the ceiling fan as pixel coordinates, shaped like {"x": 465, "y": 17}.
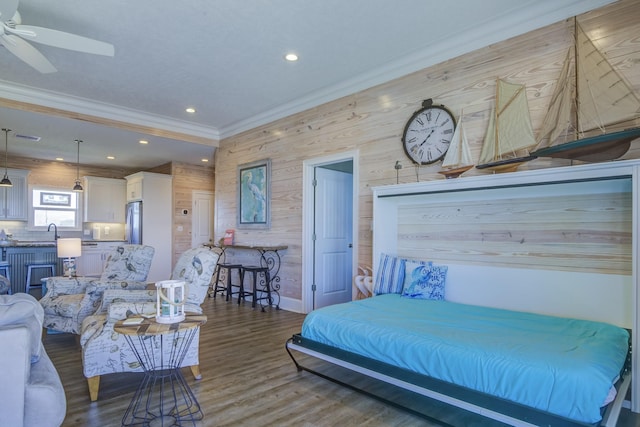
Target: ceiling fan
{"x": 13, "y": 36}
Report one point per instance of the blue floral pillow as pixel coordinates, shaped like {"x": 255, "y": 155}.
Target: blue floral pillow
{"x": 424, "y": 281}
{"x": 390, "y": 275}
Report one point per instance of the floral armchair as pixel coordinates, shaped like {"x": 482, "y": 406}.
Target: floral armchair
{"x": 104, "y": 351}
{"x": 5, "y": 286}
{"x": 70, "y": 299}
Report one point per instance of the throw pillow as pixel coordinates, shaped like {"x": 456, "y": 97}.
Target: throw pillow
{"x": 390, "y": 275}
{"x": 424, "y": 281}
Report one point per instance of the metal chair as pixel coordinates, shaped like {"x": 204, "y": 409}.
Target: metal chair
{"x": 262, "y": 286}
{"x": 227, "y": 270}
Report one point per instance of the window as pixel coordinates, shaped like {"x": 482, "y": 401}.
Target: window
{"x": 52, "y": 205}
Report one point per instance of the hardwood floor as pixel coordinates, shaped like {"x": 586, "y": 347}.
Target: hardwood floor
{"x": 247, "y": 379}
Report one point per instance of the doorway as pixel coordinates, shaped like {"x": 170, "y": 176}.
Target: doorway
{"x": 330, "y": 240}
{"x": 202, "y": 218}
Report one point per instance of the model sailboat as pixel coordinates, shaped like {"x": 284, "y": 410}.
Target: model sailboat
{"x": 509, "y": 135}
{"x": 458, "y": 158}
{"x": 589, "y": 95}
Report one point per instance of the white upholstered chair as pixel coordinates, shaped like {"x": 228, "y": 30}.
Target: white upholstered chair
{"x": 105, "y": 351}
{"x": 70, "y": 299}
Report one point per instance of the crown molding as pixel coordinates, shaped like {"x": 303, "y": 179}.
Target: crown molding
{"x": 533, "y": 16}
{"x": 37, "y": 100}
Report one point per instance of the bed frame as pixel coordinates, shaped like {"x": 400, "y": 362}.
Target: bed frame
{"x": 420, "y": 394}
{"x": 531, "y": 241}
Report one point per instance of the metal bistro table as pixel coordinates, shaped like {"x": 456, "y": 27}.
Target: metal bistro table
{"x": 270, "y": 258}
{"x": 163, "y": 397}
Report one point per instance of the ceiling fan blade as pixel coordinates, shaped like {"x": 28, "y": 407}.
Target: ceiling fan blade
{"x": 62, "y": 40}
{"x": 8, "y": 9}
{"x": 27, "y": 53}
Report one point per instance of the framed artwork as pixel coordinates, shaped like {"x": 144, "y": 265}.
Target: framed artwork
{"x": 254, "y": 195}
{"x": 55, "y": 199}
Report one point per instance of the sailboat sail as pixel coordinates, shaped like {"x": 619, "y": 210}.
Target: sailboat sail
{"x": 510, "y": 132}
{"x": 458, "y": 158}
{"x": 589, "y": 95}
{"x": 558, "y": 119}
{"x": 609, "y": 97}
{"x": 458, "y": 153}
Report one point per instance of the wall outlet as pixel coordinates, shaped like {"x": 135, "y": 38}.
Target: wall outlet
{"x": 87, "y": 232}
{"x": 106, "y": 231}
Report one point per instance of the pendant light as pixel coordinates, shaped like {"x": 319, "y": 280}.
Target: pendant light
{"x": 78, "y": 188}
{"x": 6, "y": 182}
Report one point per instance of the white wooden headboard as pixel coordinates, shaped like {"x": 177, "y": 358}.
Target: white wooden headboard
{"x": 561, "y": 241}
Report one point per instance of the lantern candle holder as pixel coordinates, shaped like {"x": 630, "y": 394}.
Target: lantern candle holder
{"x": 170, "y": 297}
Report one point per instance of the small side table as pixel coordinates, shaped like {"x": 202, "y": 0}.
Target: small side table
{"x": 163, "y": 397}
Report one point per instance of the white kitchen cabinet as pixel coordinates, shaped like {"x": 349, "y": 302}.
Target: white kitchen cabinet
{"x": 155, "y": 190}
{"x": 134, "y": 188}
{"x": 14, "y": 200}
{"x": 104, "y": 199}
{"x": 91, "y": 262}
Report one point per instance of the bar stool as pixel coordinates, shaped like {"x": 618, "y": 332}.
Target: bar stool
{"x": 5, "y": 271}
{"x": 228, "y": 270}
{"x": 254, "y": 271}
{"x": 31, "y": 266}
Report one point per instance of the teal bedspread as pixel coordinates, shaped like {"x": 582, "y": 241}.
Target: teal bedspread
{"x": 558, "y": 365}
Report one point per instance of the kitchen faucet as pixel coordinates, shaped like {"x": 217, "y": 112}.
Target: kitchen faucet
{"x": 55, "y": 230}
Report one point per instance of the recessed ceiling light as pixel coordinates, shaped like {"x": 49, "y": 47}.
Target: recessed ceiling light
{"x": 291, "y": 57}
{"x": 60, "y": 159}
{"x": 190, "y": 110}
{"x": 205, "y": 160}
{"x": 111, "y": 157}
{"x": 143, "y": 141}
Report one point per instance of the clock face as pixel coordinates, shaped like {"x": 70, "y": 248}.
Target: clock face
{"x": 428, "y": 134}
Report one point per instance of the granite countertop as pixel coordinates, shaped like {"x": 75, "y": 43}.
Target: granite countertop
{"x": 48, "y": 243}
{"x": 93, "y": 242}
{"x": 26, "y": 244}
{"x": 29, "y": 244}
{"x": 45, "y": 243}
{"x": 35, "y": 244}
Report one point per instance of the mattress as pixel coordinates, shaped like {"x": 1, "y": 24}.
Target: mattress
{"x": 557, "y": 365}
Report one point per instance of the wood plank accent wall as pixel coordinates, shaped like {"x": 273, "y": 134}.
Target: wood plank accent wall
{"x": 372, "y": 122}
{"x": 187, "y": 178}
{"x": 585, "y": 233}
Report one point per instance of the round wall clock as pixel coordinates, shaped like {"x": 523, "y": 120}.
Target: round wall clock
{"x": 428, "y": 133}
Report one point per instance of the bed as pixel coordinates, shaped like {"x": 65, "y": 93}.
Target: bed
{"x": 554, "y": 245}
{"x": 537, "y": 369}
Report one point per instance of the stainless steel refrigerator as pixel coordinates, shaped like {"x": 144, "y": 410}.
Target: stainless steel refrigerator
{"x": 133, "y": 226}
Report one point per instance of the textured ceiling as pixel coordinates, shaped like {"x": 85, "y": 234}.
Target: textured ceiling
{"x": 225, "y": 58}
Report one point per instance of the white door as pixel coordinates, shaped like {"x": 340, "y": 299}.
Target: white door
{"x": 333, "y": 231}
{"x": 202, "y": 218}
